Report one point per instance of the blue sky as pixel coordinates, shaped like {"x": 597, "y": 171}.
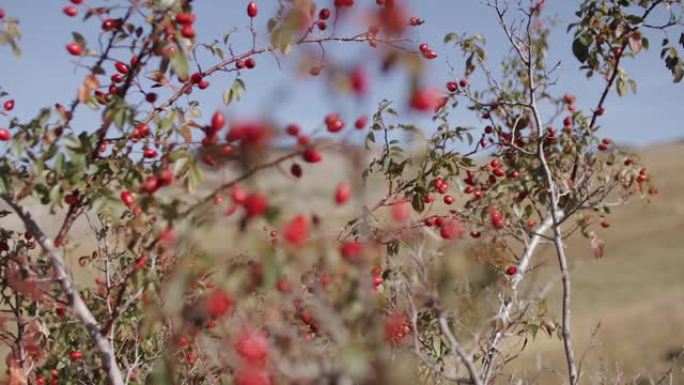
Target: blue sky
{"x": 45, "y": 73}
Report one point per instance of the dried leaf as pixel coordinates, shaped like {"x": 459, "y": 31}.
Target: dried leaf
{"x": 16, "y": 376}
{"x": 597, "y": 245}
{"x": 635, "y": 42}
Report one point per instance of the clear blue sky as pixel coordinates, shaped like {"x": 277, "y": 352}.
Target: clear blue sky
{"x": 45, "y": 73}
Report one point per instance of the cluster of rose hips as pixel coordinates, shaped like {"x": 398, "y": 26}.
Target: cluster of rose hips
{"x": 186, "y": 21}
{"x": 453, "y": 86}
{"x": 397, "y": 328}
{"x": 28, "y": 241}
{"x": 323, "y": 15}
{"x": 427, "y": 52}
{"x": 54, "y": 374}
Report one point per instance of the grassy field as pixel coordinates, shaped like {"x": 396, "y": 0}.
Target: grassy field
{"x": 635, "y": 293}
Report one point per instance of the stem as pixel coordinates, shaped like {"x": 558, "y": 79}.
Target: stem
{"x": 458, "y": 349}
{"x": 507, "y": 306}
{"x": 557, "y": 234}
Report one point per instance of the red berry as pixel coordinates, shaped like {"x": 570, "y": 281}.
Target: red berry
{"x": 452, "y": 86}
{"x": 196, "y": 77}
{"x": 498, "y": 172}
{"x": 74, "y": 49}
{"x": 72, "y": 198}
{"x": 600, "y": 111}
{"x": 252, "y": 375}
{"x": 77, "y": 2}
{"x": 303, "y": 139}
{"x": 397, "y": 328}
{"x": 324, "y": 14}
{"x": 239, "y": 64}
{"x": 238, "y": 194}
{"x": 448, "y": 199}
{"x": 150, "y": 184}
{"x": 75, "y": 355}
{"x": 296, "y": 231}
{"x": 497, "y": 220}
{"x": 209, "y": 160}
{"x": 605, "y": 224}
{"x": 127, "y": 198}
{"x": 311, "y": 155}
{"x": 255, "y": 205}
{"x": 424, "y": 99}
{"x": 151, "y": 97}
{"x": 401, "y": 211}
{"x": 185, "y": 18}
{"x": 342, "y": 193}
{"x": 351, "y": 250}
{"x": 121, "y": 67}
{"x": 70, "y": 11}
{"x": 292, "y": 129}
{"x": 5, "y": 135}
{"x": 111, "y": 24}
{"x": 149, "y": 153}
{"x": 429, "y": 54}
{"x": 252, "y": 9}
{"x": 450, "y": 229}
{"x": 141, "y": 262}
{"x": 568, "y": 98}
{"x": 423, "y": 47}
{"x": 296, "y": 170}
{"x": 218, "y": 303}
{"x": 250, "y": 63}
{"x": 463, "y": 83}
{"x": 359, "y": 80}
{"x": 511, "y": 270}
{"x": 361, "y": 122}
{"x": 166, "y": 177}
{"x": 188, "y": 31}
{"x": 253, "y": 347}
{"x": 217, "y": 122}
{"x": 203, "y": 85}
{"x": 141, "y": 130}
{"x": 334, "y": 123}
{"x": 322, "y": 25}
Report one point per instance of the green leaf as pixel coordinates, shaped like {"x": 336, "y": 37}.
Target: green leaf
{"x": 235, "y": 92}
{"x": 580, "y": 49}
{"x": 79, "y": 39}
{"x": 180, "y": 64}
{"x": 450, "y": 37}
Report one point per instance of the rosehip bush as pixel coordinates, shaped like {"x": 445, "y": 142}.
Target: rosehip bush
{"x": 210, "y": 263}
